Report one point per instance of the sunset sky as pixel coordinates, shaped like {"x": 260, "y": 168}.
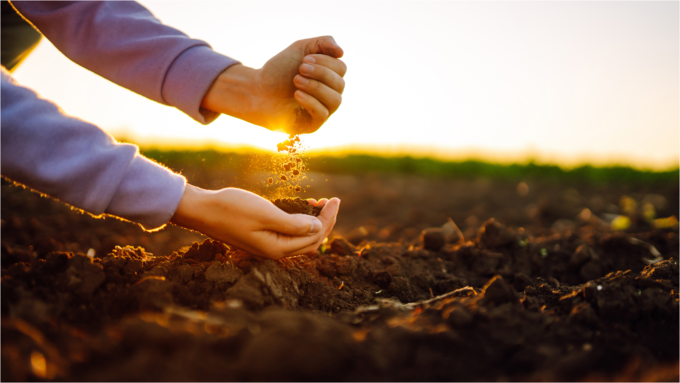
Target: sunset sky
{"x": 563, "y": 82}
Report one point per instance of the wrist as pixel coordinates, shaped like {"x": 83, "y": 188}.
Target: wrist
{"x": 232, "y": 92}
{"x": 189, "y": 213}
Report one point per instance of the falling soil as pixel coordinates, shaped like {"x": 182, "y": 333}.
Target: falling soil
{"x": 289, "y": 160}
{"x": 587, "y": 303}
{"x": 297, "y": 206}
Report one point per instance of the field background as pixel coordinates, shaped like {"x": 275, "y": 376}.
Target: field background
{"x": 383, "y": 199}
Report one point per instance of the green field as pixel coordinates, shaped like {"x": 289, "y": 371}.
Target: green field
{"x": 188, "y": 160}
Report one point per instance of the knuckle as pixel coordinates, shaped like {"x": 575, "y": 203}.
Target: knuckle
{"x": 341, "y": 85}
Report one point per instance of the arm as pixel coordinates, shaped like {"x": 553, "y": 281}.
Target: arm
{"x": 296, "y": 91}
{"x": 78, "y": 163}
{"x": 124, "y": 43}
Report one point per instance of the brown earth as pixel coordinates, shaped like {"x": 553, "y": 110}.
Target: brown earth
{"x": 297, "y": 206}
{"x": 541, "y": 301}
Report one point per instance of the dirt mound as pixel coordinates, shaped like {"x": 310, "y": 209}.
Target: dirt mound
{"x": 297, "y": 206}
{"x": 582, "y": 305}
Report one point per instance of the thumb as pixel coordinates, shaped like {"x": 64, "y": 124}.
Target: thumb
{"x": 296, "y": 224}
{"x": 327, "y": 46}
{"x": 330, "y": 210}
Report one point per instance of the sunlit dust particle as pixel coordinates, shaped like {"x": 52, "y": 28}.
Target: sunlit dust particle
{"x": 270, "y": 180}
{"x": 297, "y": 139}
{"x": 298, "y": 160}
{"x": 296, "y": 172}
{"x": 286, "y": 167}
{"x": 292, "y": 150}
{"x": 341, "y": 286}
{"x": 290, "y": 188}
{"x": 297, "y": 188}
{"x": 303, "y": 167}
{"x": 284, "y": 178}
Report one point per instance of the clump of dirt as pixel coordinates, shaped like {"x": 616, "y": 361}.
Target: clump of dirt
{"x": 297, "y": 206}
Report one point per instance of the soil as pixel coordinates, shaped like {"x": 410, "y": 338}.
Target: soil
{"x": 297, "y": 206}
{"x": 580, "y": 302}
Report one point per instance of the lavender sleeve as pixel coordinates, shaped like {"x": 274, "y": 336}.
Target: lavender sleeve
{"x": 78, "y": 163}
{"x": 123, "y": 42}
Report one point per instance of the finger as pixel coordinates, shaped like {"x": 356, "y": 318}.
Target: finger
{"x": 315, "y": 108}
{"x": 294, "y": 224}
{"x": 328, "y": 217}
{"x": 325, "y": 45}
{"x": 316, "y": 245}
{"x": 337, "y": 66}
{"x": 312, "y": 201}
{"x": 330, "y": 98}
{"x": 281, "y": 245}
{"x": 323, "y": 75}
{"x": 322, "y": 202}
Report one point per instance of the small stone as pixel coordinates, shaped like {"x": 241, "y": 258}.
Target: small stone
{"x": 341, "y": 246}
{"x": 452, "y": 233}
{"x": 432, "y": 238}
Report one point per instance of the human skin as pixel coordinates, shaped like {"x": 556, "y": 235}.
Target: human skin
{"x": 306, "y": 75}
{"x": 253, "y": 224}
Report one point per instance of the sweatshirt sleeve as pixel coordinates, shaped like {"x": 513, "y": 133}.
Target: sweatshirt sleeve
{"x": 79, "y": 164}
{"x": 123, "y": 42}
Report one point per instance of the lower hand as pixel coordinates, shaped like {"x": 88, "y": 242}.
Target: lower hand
{"x": 296, "y": 91}
{"x": 251, "y": 223}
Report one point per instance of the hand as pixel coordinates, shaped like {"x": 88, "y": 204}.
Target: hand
{"x": 295, "y": 91}
{"x": 249, "y": 222}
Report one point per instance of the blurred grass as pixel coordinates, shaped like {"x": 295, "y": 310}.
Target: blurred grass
{"x": 186, "y": 160}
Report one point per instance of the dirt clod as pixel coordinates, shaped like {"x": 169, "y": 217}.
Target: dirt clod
{"x": 341, "y": 246}
{"x": 297, "y": 206}
{"x": 432, "y": 238}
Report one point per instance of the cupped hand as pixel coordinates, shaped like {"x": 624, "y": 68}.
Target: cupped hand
{"x": 249, "y": 222}
{"x": 296, "y": 91}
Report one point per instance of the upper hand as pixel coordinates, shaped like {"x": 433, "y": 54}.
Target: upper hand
{"x": 253, "y": 224}
{"x": 295, "y": 91}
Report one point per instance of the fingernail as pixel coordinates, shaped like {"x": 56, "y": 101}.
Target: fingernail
{"x": 308, "y": 59}
{"x": 316, "y": 226}
{"x": 306, "y": 68}
{"x": 301, "y": 80}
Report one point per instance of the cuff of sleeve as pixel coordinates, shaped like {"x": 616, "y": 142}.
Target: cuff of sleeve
{"x": 189, "y": 78}
{"x": 149, "y": 194}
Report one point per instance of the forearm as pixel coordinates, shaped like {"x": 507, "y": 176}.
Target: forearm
{"x": 78, "y": 163}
